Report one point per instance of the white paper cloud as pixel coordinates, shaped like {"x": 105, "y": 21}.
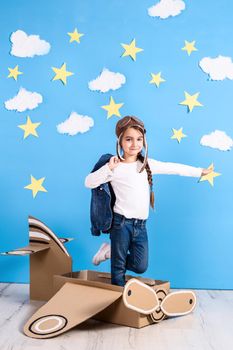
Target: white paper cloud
{"x": 106, "y": 81}
{"x": 24, "y": 45}
{"x": 218, "y": 68}
{"x": 166, "y": 8}
{"x": 74, "y": 124}
{"x": 24, "y": 100}
{"x": 217, "y": 139}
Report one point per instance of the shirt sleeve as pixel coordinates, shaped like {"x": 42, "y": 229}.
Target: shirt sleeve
{"x": 158, "y": 167}
{"x": 98, "y": 177}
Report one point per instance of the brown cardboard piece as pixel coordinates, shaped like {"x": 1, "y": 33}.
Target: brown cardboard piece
{"x": 117, "y": 312}
{"x": 179, "y": 303}
{"x": 53, "y": 269}
{"x": 70, "y": 306}
{"x": 76, "y": 296}
{"x": 48, "y": 256}
{"x": 44, "y": 265}
{"x": 30, "y": 249}
{"x": 174, "y": 304}
{"x": 131, "y": 297}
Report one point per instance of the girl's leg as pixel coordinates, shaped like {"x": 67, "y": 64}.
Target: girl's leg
{"x": 120, "y": 241}
{"x": 137, "y": 259}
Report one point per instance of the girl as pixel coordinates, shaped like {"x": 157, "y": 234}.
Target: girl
{"x": 130, "y": 175}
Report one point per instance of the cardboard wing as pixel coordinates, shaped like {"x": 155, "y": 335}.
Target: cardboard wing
{"x": 48, "y": 257}
{"x": 43, "y": 266}
{"x": 30, "y": 249}
{"x": 158, "y": 303}
{"x": 39, "y": 239}
{"x": 70, "y": 306}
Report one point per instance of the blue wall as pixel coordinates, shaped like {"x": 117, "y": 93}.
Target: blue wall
{"x": 191, "y": 230}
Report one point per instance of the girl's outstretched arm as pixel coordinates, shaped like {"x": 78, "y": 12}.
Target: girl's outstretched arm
{"x": 167, "y": 168}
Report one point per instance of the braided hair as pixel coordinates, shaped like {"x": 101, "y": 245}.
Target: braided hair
{"x": 150, "y": 179}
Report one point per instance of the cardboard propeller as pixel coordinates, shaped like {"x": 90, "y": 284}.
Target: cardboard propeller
{"x": 158, "y": 303}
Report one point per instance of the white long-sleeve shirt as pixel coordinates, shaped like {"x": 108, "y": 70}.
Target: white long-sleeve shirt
{"x": 131, "y": 187}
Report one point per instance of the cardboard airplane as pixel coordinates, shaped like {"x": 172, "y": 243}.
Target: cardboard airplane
{"x": 73, "y": 297}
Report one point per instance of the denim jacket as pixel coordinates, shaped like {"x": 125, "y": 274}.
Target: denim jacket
{"x": 102, "y": 202}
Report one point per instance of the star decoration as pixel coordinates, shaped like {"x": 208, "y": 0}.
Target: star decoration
{"x": 131, "y": 50}
{"x": 61, "y": 73}
{"x": 75, "y": 36}
{"x": 14, "y": 72}
{"x": 113, "y": 108}
{"x": 29, "y": 128}
{"x": 156, "y": 79}
{"x": 189, "y": 47}
{"x": 210, "y": 177}
{"x": 178, "y": 134}
{"x": 191, "y": 101}
{"x": 36, "y": 186}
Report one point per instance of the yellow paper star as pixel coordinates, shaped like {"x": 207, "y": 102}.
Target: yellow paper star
{"x": 189, "y": 47}
{"x": 131, "y": 50}
{"x": 178, "y": 134}
{"x": 75, "y": 36}
{"x": 61, "y": 73}
{"x": 14, "y": 72}
{"x": 29, "y": 128}
{"x": 36, "y": 186}
{"x": 113, "y": 108}
{"x": 191, "y": 101}
{"x": 210, "y": 177}
{"x": 156, "y": 79}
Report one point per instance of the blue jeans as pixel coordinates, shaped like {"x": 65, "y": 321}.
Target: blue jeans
{"x": 129, "y": 247}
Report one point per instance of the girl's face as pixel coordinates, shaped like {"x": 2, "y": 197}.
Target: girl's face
{"x": 132, "y": 142}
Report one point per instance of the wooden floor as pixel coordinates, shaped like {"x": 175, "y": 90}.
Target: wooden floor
{"x": 209, "y": 327}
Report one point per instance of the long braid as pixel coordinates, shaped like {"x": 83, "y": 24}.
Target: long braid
{"x": 150, "y": 179}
